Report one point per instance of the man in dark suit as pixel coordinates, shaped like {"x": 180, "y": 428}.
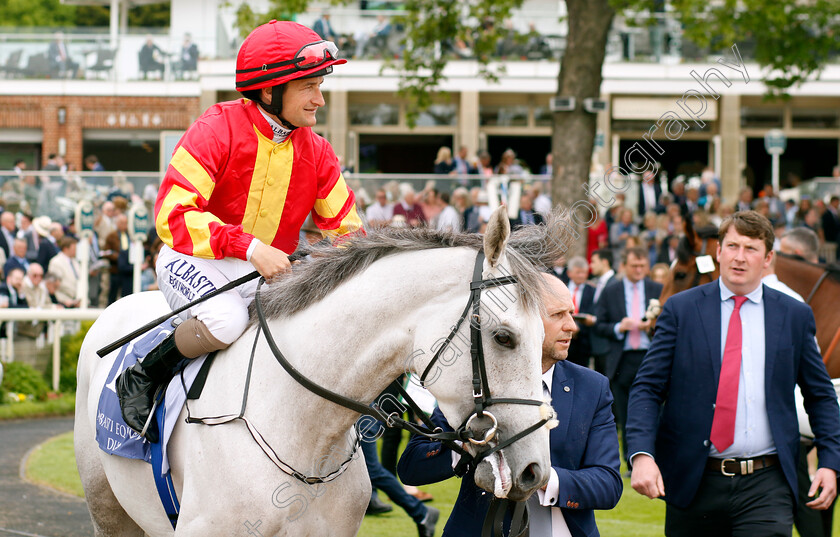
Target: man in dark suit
{"x": 583, "y": 300}
{"x": 649, "y": 192}
{"x": 8, "y": 230}
{"x": 18, "y": 257}
{"x": 527, "y": 216}
{"x": 584, "y": 446}
{"x": 621, "y": 321}
{"x": 713, "y": 427}
{"x": 602, "y": 275}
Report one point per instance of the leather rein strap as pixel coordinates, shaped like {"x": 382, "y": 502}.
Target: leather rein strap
{"x": 481, "y": 390}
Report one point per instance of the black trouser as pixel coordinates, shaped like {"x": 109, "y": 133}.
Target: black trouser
{"x": 809, "y": 522}
{"x": 620, "y": 386}
{"x": 755, "y": 505}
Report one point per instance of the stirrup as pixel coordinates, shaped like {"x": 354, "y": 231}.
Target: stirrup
{"x": 150, "y": 420}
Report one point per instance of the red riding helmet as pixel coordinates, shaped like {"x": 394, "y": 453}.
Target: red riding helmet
{"x": 280, "y": 51}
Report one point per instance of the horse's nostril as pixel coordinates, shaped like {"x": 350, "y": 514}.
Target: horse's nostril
{"x": 530, "y": 476}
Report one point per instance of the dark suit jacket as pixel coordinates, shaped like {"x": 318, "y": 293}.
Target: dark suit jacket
{"x": 4, "y": 244}
{"x": 580, "y": 350}
{"x": 16, "y": 300}
{"x": 682, "y": 369}
{"x": 610, "y": 310}
{"x": 517, "y": 222}
{"x": 643, "y": 208}
{"x": 599, "y": 346}
{"x": 831, "y": 226}
{"x": 584, "y": 453}
{"x": 13, "y": 263}
{"x": 46, "y": 251}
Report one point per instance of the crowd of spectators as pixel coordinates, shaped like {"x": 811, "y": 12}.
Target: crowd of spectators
{"x": 383, "y": 40}
{"x": 39, "y": 263}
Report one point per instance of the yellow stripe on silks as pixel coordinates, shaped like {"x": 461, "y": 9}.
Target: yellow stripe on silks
{"x": 198, "y": 225}
{"x": 177, "y": 195}
{"x": 349, "y": 224}
{"x": 269, "y": 187}
{"x": 188, "y": 166}
{"x": 334, "y": 202}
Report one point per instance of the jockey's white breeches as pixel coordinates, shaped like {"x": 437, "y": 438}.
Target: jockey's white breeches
{"x": 183, "y": 278}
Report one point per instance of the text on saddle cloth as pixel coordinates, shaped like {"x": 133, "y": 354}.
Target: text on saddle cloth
{"x": 112, "y": 434}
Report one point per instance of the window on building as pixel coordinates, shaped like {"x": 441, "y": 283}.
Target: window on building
{"x": 814, "y": 118}
{"x": 374, "y": 114}
{"x": 761, "y": 117}
{"x": 503, "y": 115}
{"x": 437, "y": 115}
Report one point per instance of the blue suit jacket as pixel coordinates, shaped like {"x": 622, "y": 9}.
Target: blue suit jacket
{"x": 610, "y": 310}
{"x": 682, "y": 368}
{"x": 584, "y": 453}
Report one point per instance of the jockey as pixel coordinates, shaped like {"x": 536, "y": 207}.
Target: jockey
{"x": 240, "y": 184}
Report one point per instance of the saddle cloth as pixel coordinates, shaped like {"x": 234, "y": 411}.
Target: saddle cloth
{"x": 112, "y": 434}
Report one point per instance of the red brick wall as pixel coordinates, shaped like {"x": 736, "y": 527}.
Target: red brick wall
{"x": 153, "y": 113}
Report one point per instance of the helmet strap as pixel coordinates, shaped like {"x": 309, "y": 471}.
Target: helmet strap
{"x": 276, "y": 106}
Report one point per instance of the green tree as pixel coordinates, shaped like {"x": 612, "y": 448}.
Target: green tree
{"x": 33, "y": 13}
{"x": 55, "y": 14}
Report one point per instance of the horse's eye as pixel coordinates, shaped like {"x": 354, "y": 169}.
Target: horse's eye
{"x": 504, "y": 339}
{"x": 680, "y": 275}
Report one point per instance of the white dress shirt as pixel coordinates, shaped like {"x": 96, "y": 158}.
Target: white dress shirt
{"x": 753, "y": 436}
{"x": 547, "y": 520}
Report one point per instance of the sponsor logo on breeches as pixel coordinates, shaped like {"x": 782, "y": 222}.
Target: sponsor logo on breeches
{"x": 187, "y": 280}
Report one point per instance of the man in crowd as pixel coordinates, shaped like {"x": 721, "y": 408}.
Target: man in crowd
{"x": 583, "y": 300}
{"x": 621, "y": 320}
{"x": 66, "y": 267}
{"x": 712, "y": 423}
{"x": 380, "y": 213}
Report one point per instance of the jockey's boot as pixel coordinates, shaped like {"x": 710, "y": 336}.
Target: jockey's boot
{"x": 138, "y": 385}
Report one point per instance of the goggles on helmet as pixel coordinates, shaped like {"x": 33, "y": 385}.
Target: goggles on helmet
{"x": 310, "y": 56}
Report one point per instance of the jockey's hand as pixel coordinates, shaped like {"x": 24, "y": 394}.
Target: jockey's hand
{"x": 269, "y": 261}
{"x": 825, "y": 479}
{"x": 646, "y": 478}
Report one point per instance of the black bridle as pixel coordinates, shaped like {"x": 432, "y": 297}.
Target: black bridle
{"x": 481, "y": 392}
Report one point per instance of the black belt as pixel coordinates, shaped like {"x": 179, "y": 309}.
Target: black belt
{"x": 730, "y": 467}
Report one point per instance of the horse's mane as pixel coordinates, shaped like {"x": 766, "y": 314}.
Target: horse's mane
{"x": 530, "y": 250}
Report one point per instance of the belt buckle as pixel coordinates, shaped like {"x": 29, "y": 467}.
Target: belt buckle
{"x": 723, "y": 467}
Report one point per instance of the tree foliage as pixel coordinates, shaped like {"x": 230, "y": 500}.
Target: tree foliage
{"x": 790, "y": 40}
{"x": 55, "y": 14}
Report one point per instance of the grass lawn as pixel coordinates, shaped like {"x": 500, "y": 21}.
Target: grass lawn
{"x": 53, "y": 464}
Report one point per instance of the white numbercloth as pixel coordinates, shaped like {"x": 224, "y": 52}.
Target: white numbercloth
{"x": 183, "y": 278}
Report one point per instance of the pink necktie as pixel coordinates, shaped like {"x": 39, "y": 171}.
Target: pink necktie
{"x": 726, "y": 404}
{"x": 635, "y": 334}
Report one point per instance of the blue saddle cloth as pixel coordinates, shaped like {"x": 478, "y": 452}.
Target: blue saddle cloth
{"x": 112, "y": 434}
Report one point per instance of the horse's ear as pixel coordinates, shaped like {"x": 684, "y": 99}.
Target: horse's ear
{"x": 496, "y": 236}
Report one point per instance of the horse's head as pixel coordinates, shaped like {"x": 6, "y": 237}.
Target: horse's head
{"x": 696, "y": 261}
{"x": 510, "y": 341}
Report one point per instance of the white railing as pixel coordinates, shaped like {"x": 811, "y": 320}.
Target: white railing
{"x": 56, "y": 318}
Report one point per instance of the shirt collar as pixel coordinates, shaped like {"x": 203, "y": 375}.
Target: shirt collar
{"x": 548, "y": 376}
{"x": 607, "y": 275}
{"x": 281, "y": 133}
{"x": 753, "y": 296}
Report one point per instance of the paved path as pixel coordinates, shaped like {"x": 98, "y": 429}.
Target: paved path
{"x": 27, "y": 509}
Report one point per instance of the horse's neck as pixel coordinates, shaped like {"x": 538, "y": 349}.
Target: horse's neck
{"x": 798, "y": 275}
{"x": 361, "y": 336}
